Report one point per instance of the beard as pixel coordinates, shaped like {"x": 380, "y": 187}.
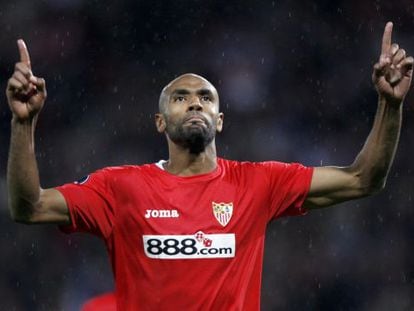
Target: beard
{"x": 193, "y": 138}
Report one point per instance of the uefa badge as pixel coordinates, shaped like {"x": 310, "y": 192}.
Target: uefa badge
{"x": 223, "y": 212}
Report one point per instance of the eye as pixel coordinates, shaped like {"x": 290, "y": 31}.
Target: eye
{"x": 205, "y": 98}
{"x": 179, "y": 99}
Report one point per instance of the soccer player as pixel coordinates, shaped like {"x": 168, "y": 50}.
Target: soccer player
{"x": 188, "y": 233}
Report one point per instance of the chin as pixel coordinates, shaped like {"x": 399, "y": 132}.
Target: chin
{"x": 197, "y": 142}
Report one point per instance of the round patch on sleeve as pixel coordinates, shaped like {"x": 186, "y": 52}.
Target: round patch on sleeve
{"x": 81, "y": 181}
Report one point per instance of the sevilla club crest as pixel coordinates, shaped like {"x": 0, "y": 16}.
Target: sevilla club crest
{"x": 223, "y": 212}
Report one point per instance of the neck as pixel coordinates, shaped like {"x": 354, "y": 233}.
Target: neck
{"x": 184, "y": 163}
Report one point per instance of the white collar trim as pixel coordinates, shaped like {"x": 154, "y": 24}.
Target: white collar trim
{"x": 160, "y": 164}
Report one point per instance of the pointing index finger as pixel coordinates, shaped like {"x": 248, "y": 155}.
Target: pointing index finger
{"x": 24, "y": 53}
{"x": 386, "y": 39}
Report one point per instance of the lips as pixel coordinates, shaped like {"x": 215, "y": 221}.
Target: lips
{"x": 195, "y": 119}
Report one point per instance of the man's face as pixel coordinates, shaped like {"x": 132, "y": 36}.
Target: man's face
{"x": 191, "y": 112}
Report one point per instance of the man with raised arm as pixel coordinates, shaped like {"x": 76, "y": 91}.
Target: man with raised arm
{"x": 188, "y": 233}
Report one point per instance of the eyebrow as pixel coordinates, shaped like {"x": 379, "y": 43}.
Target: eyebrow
{"x": 180, "y": 92}
{"x": 186, "y": 92}
{"x": 205, "y": 92}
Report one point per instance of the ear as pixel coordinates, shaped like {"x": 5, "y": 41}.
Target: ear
{"x": 160, "y": 122}
{"x": 220, "y": 120}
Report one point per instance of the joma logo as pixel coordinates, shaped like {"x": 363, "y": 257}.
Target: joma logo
{"x": 162, "y": 213}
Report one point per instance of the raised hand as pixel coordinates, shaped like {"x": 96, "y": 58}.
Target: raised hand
{"x": 393, "y": 73}
{"x": 26, "y": 93}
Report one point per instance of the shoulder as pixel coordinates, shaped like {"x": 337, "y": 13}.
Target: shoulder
{"x": 268, "y": 169}
{"x": 124, "y": 169}
{"x": 110, "y": 173}
{"x": 118, "y": 177}
{"x": 248, "y": 165}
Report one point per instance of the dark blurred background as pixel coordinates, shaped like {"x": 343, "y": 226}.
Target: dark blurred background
{"x": 295, "y": 85}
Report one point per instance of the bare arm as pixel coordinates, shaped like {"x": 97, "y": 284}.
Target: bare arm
{"x": 367, "y": 175}
{"x": 27, "y": 201}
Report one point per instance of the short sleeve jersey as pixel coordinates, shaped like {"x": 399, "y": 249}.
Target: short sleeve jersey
{"x": 186, "y": 243}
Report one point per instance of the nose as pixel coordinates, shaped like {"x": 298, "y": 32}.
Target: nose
{"x": 195, "y": 104}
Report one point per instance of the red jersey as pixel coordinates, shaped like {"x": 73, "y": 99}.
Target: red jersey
{"x": 186, "y": 243}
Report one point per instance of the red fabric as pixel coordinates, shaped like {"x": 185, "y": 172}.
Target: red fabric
{"x": 113, "y": 203}
{"x": 104, "y": 302}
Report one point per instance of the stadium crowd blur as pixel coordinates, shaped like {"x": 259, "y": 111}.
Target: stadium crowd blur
{"x": 294, "y": 80}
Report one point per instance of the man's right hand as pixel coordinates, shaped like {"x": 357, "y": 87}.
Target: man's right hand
{"x": 26, "y": 93}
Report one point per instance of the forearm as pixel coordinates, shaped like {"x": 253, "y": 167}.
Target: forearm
{"x": 392, "y": 77}
{"x": 22, "y": 173}
{"x": 375, "y": 159}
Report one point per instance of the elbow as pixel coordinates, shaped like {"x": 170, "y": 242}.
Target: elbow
{"x": 373, "y": 187}
{"x": 378, "y": 187}
{"x": 21, "y": 219}
{"x": 20, "y": 214}
{"x": 368, "y": 182}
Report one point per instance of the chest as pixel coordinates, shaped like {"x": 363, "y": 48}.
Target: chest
{"x": 179, "y": 207}
{"x": 192, "y": 219}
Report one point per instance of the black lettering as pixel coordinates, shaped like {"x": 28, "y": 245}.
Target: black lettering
{"x": 154, "y": 247}
{"x": 171, "y": 247}
{"x": 188, "y": 247}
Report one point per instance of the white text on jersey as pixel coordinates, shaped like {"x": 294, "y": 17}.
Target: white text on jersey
{"x": 162, "y": 213}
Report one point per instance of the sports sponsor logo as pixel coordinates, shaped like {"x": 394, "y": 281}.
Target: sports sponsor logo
{"x": 198, "y": 245}
{"x": 162, "y": 213}
{"x": 222, "y": 212}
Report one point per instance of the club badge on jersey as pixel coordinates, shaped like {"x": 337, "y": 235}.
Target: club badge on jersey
{"x": 223, "y": 212}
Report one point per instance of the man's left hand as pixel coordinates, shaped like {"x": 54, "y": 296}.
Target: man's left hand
{"x": 393, "y": 73}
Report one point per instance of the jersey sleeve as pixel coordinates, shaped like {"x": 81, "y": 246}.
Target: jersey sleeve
{"x": 91, "y": 205}
{"x": 289, "y": 185}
